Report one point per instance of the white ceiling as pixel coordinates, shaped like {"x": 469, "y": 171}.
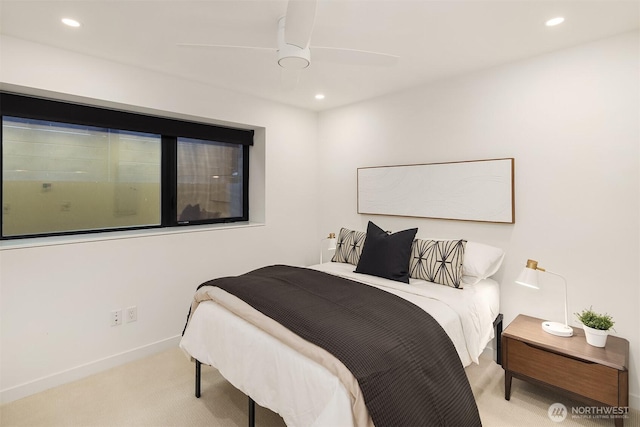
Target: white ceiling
{"x": 433, "y": 39}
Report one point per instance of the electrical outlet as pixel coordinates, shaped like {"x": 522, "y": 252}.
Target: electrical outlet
{"x": 116, "y": 317}
{"x": 132, "y": 314}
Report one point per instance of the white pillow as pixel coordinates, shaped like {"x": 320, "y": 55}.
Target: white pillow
{"x": 481, "y": 260}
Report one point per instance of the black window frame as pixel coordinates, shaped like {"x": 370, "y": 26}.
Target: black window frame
{"x": 170, "y": 129}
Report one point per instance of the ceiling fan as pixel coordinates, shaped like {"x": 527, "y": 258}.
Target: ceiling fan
{"x": 294, "y": 42}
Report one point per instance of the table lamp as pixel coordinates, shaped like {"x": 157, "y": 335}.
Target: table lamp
{"x": 529, "y": 278}
{"x": 331, "y": 245}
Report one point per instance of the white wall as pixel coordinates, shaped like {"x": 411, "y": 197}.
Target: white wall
{"x": 55, "y": 300}
{"x": 571, "y": 121}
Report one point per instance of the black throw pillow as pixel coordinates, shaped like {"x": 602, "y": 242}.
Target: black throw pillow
{"x": 386, "y": 255}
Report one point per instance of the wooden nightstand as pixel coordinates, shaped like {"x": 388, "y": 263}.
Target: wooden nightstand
{"x": 596, "y": 376}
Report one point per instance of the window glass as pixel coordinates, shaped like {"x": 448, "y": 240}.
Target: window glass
{"x": 70, "y": 169}
{"x": 59, "y": 177}
{"x": 209, "y": 180}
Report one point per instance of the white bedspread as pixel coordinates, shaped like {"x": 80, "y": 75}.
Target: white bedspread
{"x": 303, "y": 392}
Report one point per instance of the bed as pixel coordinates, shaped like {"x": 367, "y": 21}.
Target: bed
{"x": 297, "y": 382}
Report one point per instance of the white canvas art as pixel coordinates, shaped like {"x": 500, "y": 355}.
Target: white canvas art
{"x": 480, "y": 190}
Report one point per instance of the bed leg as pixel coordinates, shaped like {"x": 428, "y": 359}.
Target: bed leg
{"x": 198, "y": 376}
{"x": 252, "y": 412}
{"x": 497, "y": 325}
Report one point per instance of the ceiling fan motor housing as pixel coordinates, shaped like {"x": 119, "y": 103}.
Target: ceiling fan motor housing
{"x": 291, "y": 56}
{"x": 294, "y": 58}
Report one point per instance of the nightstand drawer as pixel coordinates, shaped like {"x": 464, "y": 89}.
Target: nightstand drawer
{"x": 585, "y": 378}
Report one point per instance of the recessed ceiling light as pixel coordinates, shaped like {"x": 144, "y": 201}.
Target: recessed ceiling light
{"x": 555, "y": 21}
{"x": 319, "y": 96}
{"x": 70, "y": 22}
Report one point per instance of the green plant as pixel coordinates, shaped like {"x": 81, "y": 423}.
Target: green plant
{"x": 594, "y": 320}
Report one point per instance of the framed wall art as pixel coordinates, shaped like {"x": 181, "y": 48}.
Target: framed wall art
{"x": 476, "y": 190}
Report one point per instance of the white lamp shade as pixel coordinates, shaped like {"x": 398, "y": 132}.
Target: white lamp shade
{"x": 332, "y": 243}
{"x": 529, "y": 278}
{"x": 327, "y": 244}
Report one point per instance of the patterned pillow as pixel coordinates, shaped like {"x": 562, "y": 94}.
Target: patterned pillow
{"x": 438, "y": 261}
{"x": 349, "y": 246}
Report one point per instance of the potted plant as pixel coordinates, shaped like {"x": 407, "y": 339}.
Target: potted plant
{"x": 596, "y": 326}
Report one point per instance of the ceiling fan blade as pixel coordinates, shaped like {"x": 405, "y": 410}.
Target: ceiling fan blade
{"x": 353, "y": 56}
{"x": 224, "y": 46}
{"x": 301, "y": 15}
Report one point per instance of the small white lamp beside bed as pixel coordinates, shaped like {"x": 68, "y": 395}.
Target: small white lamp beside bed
{"x": 327, "y": 244}
{"x": 529, "y": 278}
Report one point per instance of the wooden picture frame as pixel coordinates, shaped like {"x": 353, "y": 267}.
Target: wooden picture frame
{"x": 475, "y": 190}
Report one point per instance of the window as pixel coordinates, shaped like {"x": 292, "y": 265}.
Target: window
{"x": 60, "y": 177}
{"x": 209, "y": 180}
{"x": 68, "y": 168}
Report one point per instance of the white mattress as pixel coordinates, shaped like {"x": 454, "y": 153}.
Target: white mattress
{"x": 303, "y": 392}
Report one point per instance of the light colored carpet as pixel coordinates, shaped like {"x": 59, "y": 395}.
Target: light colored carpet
{"x": 158, "y": 391}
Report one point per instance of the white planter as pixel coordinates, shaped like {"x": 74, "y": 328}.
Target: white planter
{"x": 595, "y": 337}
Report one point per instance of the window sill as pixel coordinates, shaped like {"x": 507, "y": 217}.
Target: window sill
{"x": 37, "y": 242}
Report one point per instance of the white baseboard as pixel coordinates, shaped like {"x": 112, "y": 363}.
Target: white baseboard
{"x": 73, "y": 374}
